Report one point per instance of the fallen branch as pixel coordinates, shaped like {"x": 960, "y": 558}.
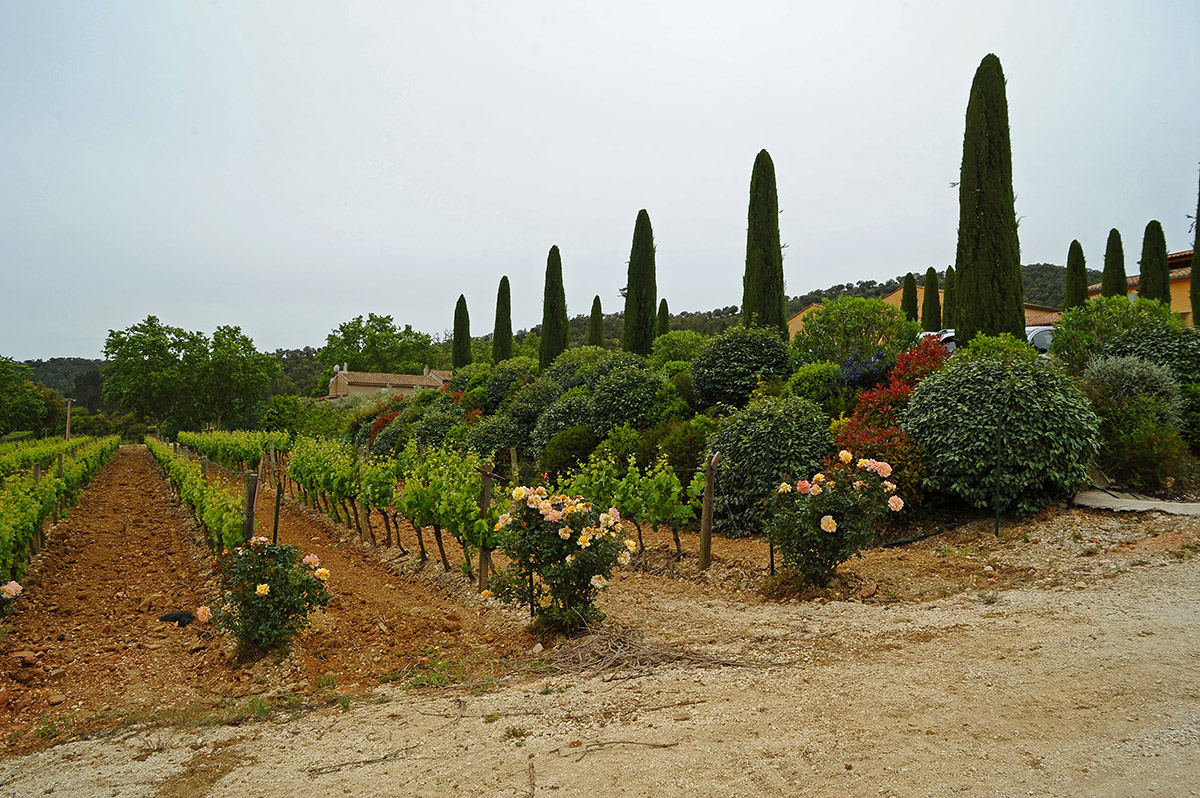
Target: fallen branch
{"x": 397, "y": 754}
{"x": 602, "y": 744}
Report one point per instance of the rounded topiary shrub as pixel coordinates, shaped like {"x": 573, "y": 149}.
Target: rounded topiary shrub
{"x": 574, "y": 366}
{"x": 616, "y": 361}
{"x": 730, "y": 367}
{"x": 431, "y": 430}
{"x": 1087, "y": 330}
{"x": 626, "y": 396}
{"x": 1115, "y": 380}
{"x": 506, "y": 376}
{"x": 569, "y": 448}
{"x": 472, "y": 375}
{"x": 494, "y": 434}
{"x": 676, "y": 345}
{"x": 760, "y": 446}
{"x": 1049, "y": 432}
{"x": 1175, "y": 347}
{"x": 385, "y": 442}
{"x": 528, "y": 402}
{"x": 818, "y": 383}
{"x": 571, "y": 410}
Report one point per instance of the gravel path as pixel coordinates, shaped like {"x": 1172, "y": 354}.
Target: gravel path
{"x": 1071, "y": 690}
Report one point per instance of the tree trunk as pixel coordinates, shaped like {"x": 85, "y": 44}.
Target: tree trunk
{"x": 437, "y": 536}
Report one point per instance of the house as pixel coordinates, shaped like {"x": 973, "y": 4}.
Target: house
{"x": 371, "y": 383}
{"x": 1180, "y": 264}
{"x": 1034, "y": 314}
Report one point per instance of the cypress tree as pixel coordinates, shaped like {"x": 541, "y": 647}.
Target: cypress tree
{"x": 1113, "y": 281}
{"x": 1155, "y": 279}
{"x": 502, "y": 339}
{"x": 596, "y": 324}
{"x": 640, "y": 290}
{"x": 1075, "y": 293}
{"x": 554, "y": 311}
{"x": 990, "y": 295}
{"x": 664, "y": 319}
{"x": 763, "y": 300}
{"x": 461, "y": 354}
{"x": 1194, "y": 283}
{"x": 931, "y": 308}
{"x": 908, "y": 297}
{"x": 948, "y": 298}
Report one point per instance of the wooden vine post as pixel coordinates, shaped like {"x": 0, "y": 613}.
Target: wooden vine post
{"x": 485, "y": 501}
{"x": 706, "y": 512}
{"x": 35, "y": 542}
{"x": 251, "y": 493}
{"x": 278, "y": 477}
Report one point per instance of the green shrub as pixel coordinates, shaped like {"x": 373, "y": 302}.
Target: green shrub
{"x": 818, "y": 383}
{"x": 621, "y": 443}
{"x": 571, "y": 410}
{"x": 854, "y": 327}
{"x": 506, "y": 376}
{"x": 759, "y": 447}
{"x": 528, "y": 402}
{"x": 283, "y": 413}
{"x": 677, "y": 345}
{"x": 433, "y": 427}
{"x": 1141, "y": 453}
{"x": 730, "y": 367}
{"x": 616, "y": 361}
{"x": 386, "y": 440}
{"x": 474, "y": 399}
{"x": 817, "y": 525}
{"x": 415, "y": 408}
{"x": 1004, "y": 347}
{"x": 269, "y": 592}
{"x": 1176, "y": 347}
{"x": 1112, "y": 381}
{"x": 684, "y": 444}
{"x": 668, "y": 405}
{"x": 626, "y": 396}
{"x": 575, "y": 366}
{"x": 1049, "y": 432}
{"x": 567, "y": 449}
{"x": 471, "y": 376}
{"x": 679, "y": 374}
{"x": 1191, "y": 415}
{"x": 494, "y": 434}
{"x": 1084, "y": 331}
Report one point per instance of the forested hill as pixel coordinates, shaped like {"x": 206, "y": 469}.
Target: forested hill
{"x": 1045, "y": 284}
{"x": 59, "y": 372}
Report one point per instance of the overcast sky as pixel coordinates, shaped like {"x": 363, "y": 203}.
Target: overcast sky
{"x": 286, "y": 166}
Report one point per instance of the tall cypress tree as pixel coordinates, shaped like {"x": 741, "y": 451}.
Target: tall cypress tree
{"x": 502, "y": 339}
{"x": 1113, "y": 281}
{"x": 596, "y": 324}
{"x": 908, "y": 297}
{"x": 948, "y": 298}
{"x": 1075, "y": 293}
{"x": 1194, "y": 283}
{"x": 461, "y": 354}
{"x": 640, "y": 290}
{"x": 554, "y": 311}
{"x": 990, "y": 295}
{"x": 763, "y": 300}
{"x": 1155, "y": 279}
{"x": 664, "y": 319}
{"x": 931, "y": 307}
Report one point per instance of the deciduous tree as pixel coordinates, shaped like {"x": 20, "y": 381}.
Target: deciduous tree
{"x": 157, "y": 372}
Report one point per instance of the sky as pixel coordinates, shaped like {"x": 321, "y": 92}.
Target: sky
{"x": 286, "y": 165}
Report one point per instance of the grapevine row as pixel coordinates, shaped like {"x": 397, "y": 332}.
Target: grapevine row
{"x": 27, "y": 503}
{"x": 22, "y": 456}
{"x": 237, "y": 451}
{"x": 217, "y": 511}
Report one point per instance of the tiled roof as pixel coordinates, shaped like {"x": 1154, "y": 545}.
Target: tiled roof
{"x": 384, "y": 380}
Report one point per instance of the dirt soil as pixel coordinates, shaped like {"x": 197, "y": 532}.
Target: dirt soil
{"x": 1058, "y": 659}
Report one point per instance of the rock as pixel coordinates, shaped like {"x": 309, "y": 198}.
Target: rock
{"x": 868, "y": 590}
{"x": 537, "y": 649}
{"x": 27, "y": 657}
{"x": 55, "y": 699}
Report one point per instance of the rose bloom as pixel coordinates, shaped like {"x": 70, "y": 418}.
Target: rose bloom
{"x": 545, "y": 601}
{"x": 565, "y": 532}
{"x": 598, "y": 581}
{"x": 630, "y": 544}
{"x": 845, "y": 456}
{"x": 828, "y": 524}
{"x": 322, "y": 574}
{"x": 815, "y": 490}
{"x": 883, "y": 469}
{"x": 803, "y": 486}
{"x": 485, "y": 594}
{"x": 518, "y": 493}
{"x": 889, "y": 487}
{"x": 311, "y": 560}
{"x": 818, "y": 479}
{"x": 263, "y": 589}
{"x": 11, "y": 590}
{"x": 203, "y": 614}
{"x": 895, "y": 504}
{"x": 570, "y": 559}
{"x": 624, "y": 557}
{"x": 784, "y": 487}
{"x": 614, "y": 513}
